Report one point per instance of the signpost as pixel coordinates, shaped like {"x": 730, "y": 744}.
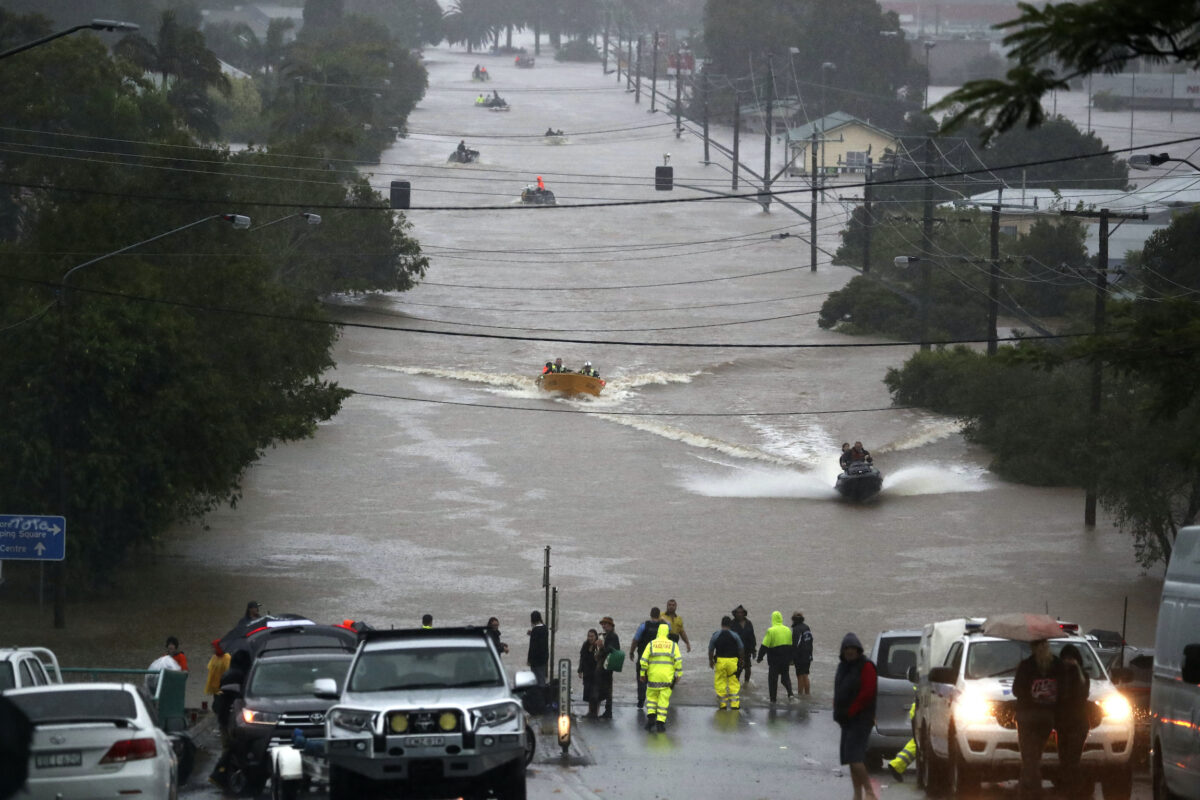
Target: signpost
{"x": 31, "y": 537}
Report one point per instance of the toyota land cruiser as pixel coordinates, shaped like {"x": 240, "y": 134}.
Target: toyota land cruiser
{"x": 429, "y": 713}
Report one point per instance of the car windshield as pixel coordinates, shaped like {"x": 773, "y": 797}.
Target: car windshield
{"x": 288, "y": 678}
{"x": 77, "y": 705}
{"x": 999, "y": 659}
{"x": 425, "y": 668}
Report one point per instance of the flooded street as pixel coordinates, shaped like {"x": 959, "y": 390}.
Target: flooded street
{"x": 704, "y": 471}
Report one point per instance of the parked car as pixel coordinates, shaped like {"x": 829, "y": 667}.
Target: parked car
{"x": 1175, "y": 685}
{"x": 426, "y": 713}
{"x": 28, "y": 666}
{"x": 277, "y": 700}
{"x": 894, "y": 653}
{"x": 96, "y": 740}
{"x": 966, "y": 725}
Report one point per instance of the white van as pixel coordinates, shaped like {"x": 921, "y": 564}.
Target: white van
{"x": 1175, "y": 687}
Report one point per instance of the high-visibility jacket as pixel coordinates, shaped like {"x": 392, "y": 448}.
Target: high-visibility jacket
{"x": 661, "y": 661}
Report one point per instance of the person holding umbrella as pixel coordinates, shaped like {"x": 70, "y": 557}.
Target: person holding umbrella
{"x": 1036, "y": 687}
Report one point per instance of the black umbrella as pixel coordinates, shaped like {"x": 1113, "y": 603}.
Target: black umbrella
{"x": 236, "y": 638}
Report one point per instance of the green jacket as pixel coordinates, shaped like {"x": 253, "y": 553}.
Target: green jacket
{"x": 778, "y": 635}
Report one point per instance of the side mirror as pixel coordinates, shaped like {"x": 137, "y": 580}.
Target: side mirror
{"x": 326, "y": 689}
{"x": 524, "y": 679}
{"x": 1191, "y": 664}
{"x": 912, "y": 675}
{"x": 943, "y": 675}
{"x": 1121, "y": 675}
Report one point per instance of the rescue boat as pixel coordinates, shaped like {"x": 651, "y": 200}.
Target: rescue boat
{"x": 859, "y": 482}
{"x": 570, "y": 383}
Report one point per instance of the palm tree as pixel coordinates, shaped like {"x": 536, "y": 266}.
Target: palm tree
{"x": 186, "y": 66}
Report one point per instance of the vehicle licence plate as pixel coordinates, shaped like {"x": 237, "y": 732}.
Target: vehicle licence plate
{"x": 65, "y": 758}
{"x": 425, "y": 741}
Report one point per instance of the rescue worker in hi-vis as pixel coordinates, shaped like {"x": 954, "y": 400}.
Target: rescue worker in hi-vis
{"x": 659, "y": 667}
{"x": 725, "y": 650}
{"x": 907, "y": 753}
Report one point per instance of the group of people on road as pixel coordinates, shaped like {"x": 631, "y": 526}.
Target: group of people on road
{"x": 655, "y": 650}
{"x": 556, "y": 366}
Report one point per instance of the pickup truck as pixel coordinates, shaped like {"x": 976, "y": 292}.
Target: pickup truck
{"x": 426, "y": 713}
{"x": 21, "y": 667}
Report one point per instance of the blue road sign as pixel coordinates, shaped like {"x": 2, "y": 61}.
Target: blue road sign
{"x": 32, "y": 537}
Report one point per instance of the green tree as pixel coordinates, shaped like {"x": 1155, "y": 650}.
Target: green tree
{"x": 183, "y": 359}
{"x": 188, "y": 69}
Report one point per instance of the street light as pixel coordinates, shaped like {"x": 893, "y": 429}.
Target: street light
{"x": 928, "y": 46}
{"x": 239, "y": 222}
{"x": 110, "y": 25}
{"x": 308, "y": 216}
{"x": 1144, "y": 161}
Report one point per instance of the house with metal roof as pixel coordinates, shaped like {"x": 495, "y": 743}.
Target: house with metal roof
{"x": 844, "y": 144}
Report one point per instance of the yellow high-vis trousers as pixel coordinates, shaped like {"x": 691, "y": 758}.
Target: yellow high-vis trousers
{"x": 726, "y": 682}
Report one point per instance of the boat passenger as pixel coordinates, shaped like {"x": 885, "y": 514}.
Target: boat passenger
{"x": 558, "y": 366}
{"x": 859, "y": 453}
{"x": 548, "y": 368}
{"x": 844, "y": 459}
{"x": 475, "y": 72}
{"x": 588, "y": 370}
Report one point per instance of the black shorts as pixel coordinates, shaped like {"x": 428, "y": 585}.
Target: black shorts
{"x": 855, "y": 734}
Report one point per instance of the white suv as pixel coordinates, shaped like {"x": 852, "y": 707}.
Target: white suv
{"x": 429, "y": 713}
{"x": 966, "y": 725}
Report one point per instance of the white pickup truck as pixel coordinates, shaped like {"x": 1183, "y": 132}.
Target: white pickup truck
{"x": 21, "y": 667}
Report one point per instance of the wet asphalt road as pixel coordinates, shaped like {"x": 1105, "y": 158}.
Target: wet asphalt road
{"x": 789, "y": 751}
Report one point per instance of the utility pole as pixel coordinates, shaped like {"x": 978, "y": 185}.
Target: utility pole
{"x": 637, "y": 78}
{"x": 737, "y": 137}
{"x": 618, "y": 58}
{"x": 994, "y": 280}
{"x": 629, "y": 64}
{"x": 604, "y": 49}
{"x": 766, "y": 192}
{"x": 679, "y": 94}
{"x": 704, "y": 92}
{"x": 868, "y": 220}
{"x": 654, "y": 73}
{"x": 812, "y": 216}
{"x": 927, "y": 251}
{"x": 1098, "y": 324}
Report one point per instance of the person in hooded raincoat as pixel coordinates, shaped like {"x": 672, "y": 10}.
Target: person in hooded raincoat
{"x": 659, "y": 667}
{"x": 855, "y": 687}
{"x": 776, "y": 645}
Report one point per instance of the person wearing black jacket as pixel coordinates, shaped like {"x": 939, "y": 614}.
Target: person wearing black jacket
{"x": 744, "y": 628}
{"x": 231, "y": 690}
{"x": 609, "y": 642}
{"x": 1036, "y": 687}
{"x": 1071, "y": 719}
{"x": 802, "y": 639}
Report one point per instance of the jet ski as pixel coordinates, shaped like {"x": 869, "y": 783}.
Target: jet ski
{"x": 860, "y": 481}
{"x": 467, "y": 156}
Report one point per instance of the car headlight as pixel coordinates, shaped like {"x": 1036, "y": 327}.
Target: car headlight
{"x": 973, "y": 708}
{"x": 498, "y": 714}
{"x": 1116, "y": 707}
{"x": 351, "y": 719}
{"x": 252, "y": 717}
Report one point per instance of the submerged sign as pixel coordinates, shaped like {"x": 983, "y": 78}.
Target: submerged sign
{"x": 32, "y": 538}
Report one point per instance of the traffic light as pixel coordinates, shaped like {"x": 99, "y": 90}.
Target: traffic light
{"x": 401, "y": 192}
{"x": 664, "y": 178}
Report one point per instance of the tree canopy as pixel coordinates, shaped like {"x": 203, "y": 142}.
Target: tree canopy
{"x": 169, "y": 368}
